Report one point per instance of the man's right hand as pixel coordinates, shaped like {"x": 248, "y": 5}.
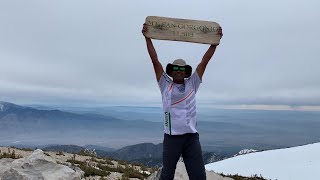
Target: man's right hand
{"x": 144, "y": 29}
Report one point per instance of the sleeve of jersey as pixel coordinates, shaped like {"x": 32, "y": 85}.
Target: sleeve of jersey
{"x": 195, "y": 80}
{"x": 164, "y": 82}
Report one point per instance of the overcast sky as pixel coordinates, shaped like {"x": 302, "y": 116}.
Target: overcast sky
{"x": 92, "y": 51}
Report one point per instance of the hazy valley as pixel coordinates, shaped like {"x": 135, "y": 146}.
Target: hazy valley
{"x": 224, "y": 132}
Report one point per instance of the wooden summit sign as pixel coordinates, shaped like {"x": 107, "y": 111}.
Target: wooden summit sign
{"x": 163, "y": 28}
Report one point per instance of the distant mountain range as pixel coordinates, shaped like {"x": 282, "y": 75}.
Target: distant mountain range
{"x": 20, "y": 118}
{"x": 25, "y": 125}
{"x": 224, "y": 132}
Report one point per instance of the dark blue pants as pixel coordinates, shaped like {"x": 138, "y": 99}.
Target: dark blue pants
{"x": 187, "y": 145}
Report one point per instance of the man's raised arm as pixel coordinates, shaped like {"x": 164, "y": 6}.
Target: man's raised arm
{"x": 158, "y": 69}
{"x": 206, "y": 58}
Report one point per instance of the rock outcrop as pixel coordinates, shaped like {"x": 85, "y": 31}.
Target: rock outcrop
{"x": 37, "y": 166}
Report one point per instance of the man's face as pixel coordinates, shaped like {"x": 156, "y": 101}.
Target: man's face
{"x": 178, "y": 72}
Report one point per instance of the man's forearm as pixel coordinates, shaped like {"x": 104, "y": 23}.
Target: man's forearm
{"x": 204, "y": 62}
{"x": 154, "y": 58}
{"x": 208, "y": 55}
{"x": 151, "y": 50}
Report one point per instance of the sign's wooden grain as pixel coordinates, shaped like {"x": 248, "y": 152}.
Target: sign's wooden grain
{"x": 186, "y": 30}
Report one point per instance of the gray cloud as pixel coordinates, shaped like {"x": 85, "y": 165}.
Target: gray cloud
{"x": 94, "y": 51}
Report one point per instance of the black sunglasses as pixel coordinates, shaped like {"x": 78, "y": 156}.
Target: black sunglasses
{"x": 179, "y": 68}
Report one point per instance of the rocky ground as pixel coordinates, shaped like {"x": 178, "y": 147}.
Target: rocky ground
{"x": 42, "y": 160}
{"x": 37, "y": 164}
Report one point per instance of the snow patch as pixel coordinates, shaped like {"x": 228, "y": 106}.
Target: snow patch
{"x": 145, "y": 172}
{"x": 294, "y": 163}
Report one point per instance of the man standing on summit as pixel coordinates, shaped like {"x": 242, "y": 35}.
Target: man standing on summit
{"x": 178, "y": 98}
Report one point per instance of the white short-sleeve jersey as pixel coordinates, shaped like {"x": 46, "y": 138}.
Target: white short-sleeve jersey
{"x": 179, "y": 104}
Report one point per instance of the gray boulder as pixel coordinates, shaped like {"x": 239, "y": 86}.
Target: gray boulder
{"x": 37, "y": 166}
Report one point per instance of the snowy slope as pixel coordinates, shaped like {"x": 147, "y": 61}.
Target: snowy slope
{"x": 296, "y": 163}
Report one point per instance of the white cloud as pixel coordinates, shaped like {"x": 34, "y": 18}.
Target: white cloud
{"x": 94, "y": 51}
